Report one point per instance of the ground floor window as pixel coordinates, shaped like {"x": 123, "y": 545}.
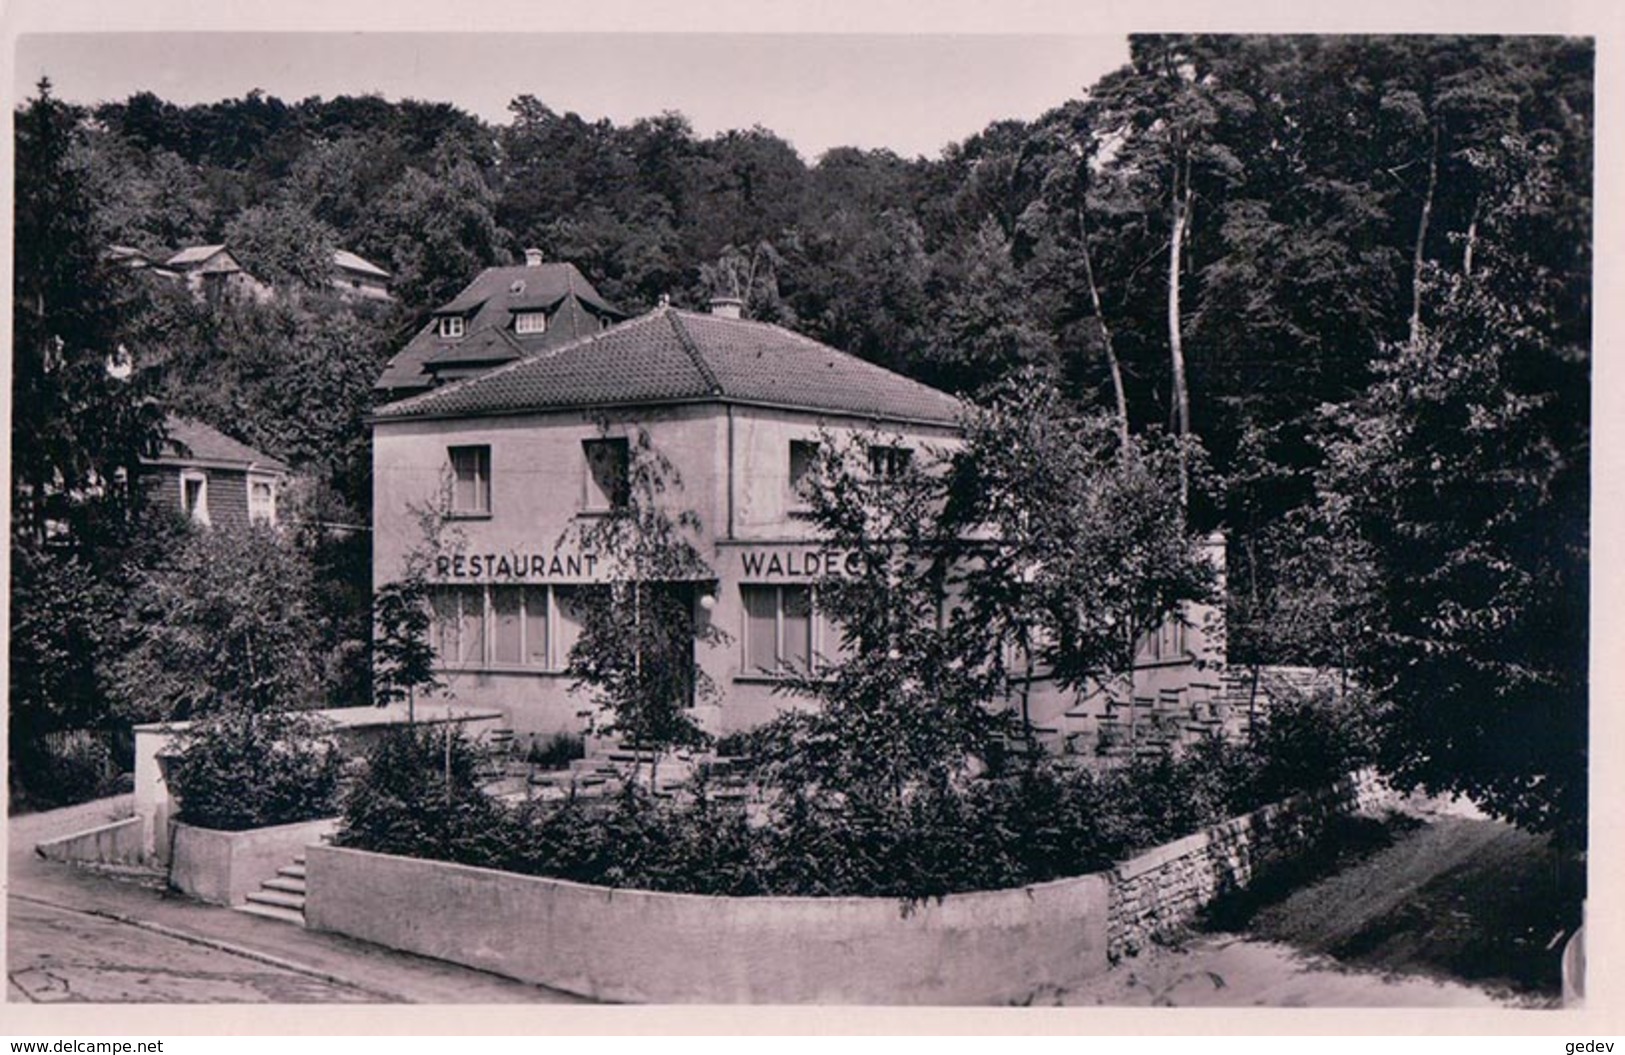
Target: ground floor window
{"x": 1167, "y": 642}
{"x": 195, "y": 495}
{"x": 784, "y": 631}
{"x": 500, "y": 626}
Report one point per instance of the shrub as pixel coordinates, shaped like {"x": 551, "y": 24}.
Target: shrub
{"x": 236, "y": 770}
{"x": 1027, "y": 823}
{"x": 1311, "y": 738}
{"x": 61, "y": 769}
{"x": 419, "y": 795}
{"x": 556, "y": 751}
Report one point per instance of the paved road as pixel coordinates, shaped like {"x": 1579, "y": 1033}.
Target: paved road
{"x": 67, "y": 956}
{"x": 77, "y": 934}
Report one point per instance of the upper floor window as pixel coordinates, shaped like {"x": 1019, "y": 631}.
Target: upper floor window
{"x": 803, "y": 462}
{"x": 261, "y": 501}
{"x": 451, "y": 326}
{"x": 888, "y": 463}
{"x": 471, "y": 480}
{"x": 530, "y": 322}
{"x": 195, "y": 495}
{"x": 608, "y": 461}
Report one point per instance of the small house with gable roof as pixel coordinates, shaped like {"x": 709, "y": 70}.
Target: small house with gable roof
{"x": 212, "y": 479}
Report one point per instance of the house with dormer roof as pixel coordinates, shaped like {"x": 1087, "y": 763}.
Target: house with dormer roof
{"x": 505, "y": 314}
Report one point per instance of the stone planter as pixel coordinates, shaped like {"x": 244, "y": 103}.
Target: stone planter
{"x": 223, "y": 867}
{"x": 992, "y": 947}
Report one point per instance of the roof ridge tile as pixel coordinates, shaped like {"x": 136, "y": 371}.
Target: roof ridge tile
{"x": 686, "y": 339}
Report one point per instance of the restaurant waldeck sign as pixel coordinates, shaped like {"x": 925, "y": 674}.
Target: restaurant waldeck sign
{"x": 516, "y": 566}
{"x": 799, "y": 563}
{"x": 767, "y": 563}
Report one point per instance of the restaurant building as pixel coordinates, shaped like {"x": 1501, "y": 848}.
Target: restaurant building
{"x": 490, "y": 480}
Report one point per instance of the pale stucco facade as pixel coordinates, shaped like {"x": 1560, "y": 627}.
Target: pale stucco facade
{"x": 730, "y": 467}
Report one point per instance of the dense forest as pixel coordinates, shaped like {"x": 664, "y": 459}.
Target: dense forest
{"x": 1358, "y": 269}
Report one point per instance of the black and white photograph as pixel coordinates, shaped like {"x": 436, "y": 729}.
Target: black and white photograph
{"x": 960, "y": 516}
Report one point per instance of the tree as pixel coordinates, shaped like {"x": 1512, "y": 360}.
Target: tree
{"x": 1166, "y": 108}
{"x": 403, "y": 659}
{"x": 223, "y": 623}
{"x": 899, "y": 709}
{"x": 986, "y": 330}
{"x": 284, "y": 244}
{"x": 1073, "y": 549}
{"x": 639, "y": 630}
{"x": 436, "y": 229}
{"x": 1465, "y": 469}
{"x": 77, "y": 434}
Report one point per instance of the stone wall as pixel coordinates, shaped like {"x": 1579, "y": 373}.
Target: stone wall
{"x": 1166, "y": 887}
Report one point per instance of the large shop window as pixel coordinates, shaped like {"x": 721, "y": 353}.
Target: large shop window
{"x": 471, "y": 480}
{"x": 784, "y": 632}
{"x": 529, "y": 627}
{"x": 607, "y": 464}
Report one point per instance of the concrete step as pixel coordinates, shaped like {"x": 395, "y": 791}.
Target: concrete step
{"x": 286, "y": 884}
{"x": 279, "y": 898}
{"x": 276, "y": 912}
{"x": 292, "y": 871}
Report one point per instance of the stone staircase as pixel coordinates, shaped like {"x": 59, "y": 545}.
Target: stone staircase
{"x": 282, "y": 897}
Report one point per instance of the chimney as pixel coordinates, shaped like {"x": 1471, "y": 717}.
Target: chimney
{"x": 727, "y": 307}
{"x": 533, "y": 258}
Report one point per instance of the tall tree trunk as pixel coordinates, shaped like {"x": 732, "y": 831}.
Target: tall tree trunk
{"x": 1418, "y": 258}
{"x": 1472, "y": 241}
{"x": 1176, "y": 345}
{"x": 1105, "y": 331}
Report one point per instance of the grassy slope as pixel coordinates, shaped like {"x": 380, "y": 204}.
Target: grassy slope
{"x": 1473, "y": 900}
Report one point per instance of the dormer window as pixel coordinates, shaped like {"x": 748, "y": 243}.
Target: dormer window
{"x": 451, "y": 326}
{"x": 530, "y": 322}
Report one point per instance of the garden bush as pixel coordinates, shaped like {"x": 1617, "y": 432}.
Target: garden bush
{"x": 1308, "y": 737}
{"x": 1031, "y": 822}
{"x": 419, "y": 795}
{"x": 62, "y": 769}
{"x": 237, "y": 769}
{"x": 556, "y": 751}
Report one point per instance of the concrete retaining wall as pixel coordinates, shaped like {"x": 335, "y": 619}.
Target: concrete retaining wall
{"x": 637, "y": 946}
{"x": 1167, "y": 886}
{"x": 353, "y": 729}
{"x": 223, "y": 867}
{"x": 111, "y": 844}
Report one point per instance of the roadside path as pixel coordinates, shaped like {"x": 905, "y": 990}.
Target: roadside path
{"x": 75, "y": 933}
{"x": 1444, "y": 908}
